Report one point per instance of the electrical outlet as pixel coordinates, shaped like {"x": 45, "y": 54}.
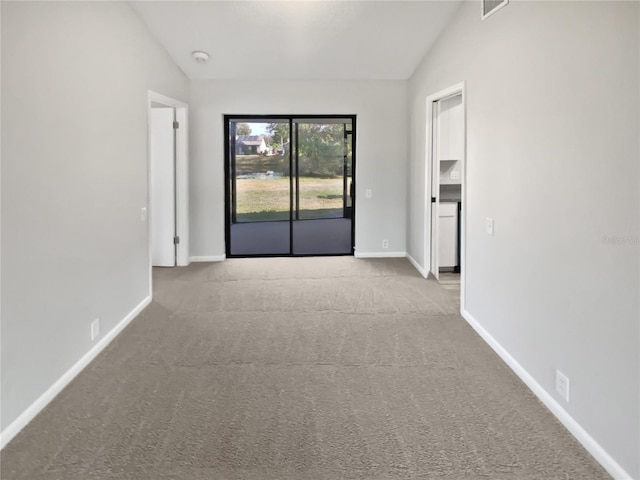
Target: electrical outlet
{"x": 368, "y": 193}
{"x": 95, "y": 329}
{"x": 562, "y": 385}
{"x": 489, "y": 226}
{"x": 385, "y": 243}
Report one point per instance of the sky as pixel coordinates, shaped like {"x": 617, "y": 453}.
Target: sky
{"x": 258, "y": 128}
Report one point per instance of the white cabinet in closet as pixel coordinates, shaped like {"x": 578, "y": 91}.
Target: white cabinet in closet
{"x": 448, "y": 235}
{"x": 450, "y": 141}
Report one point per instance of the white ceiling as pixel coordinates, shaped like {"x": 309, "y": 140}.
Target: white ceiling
{"x": 298, "y": 39}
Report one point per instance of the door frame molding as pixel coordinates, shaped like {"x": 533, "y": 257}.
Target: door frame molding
{"x": 458, "y": 88}
{"x": 182, "y": 174}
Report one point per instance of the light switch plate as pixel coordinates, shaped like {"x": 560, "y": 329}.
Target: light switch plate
{"x": 489, "y": 226}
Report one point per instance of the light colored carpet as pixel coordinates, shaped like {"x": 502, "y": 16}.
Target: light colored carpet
{"x": 297, "y": 368}
{"x": 450, "y": 281}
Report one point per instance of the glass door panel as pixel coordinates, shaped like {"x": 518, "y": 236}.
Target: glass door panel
{"x": 261, "y": 187}
{"x": 321, "y": 162}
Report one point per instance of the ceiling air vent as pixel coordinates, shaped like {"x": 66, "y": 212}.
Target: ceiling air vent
{"x": 489, "y": 7}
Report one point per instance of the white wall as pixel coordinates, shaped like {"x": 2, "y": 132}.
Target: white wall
{"x": 381, "y": 151}
{"x": 74, "y": 178}
{"x": 553, "y": 157}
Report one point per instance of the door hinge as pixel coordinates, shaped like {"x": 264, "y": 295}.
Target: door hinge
{"x": 176, "y": 125}
{"x": 433, "y": 199}
{"x": 176, "y": 240}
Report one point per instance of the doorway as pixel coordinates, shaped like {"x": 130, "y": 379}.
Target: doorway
{"x": 289, "y": 185}
{"x": 168, "y": 182}
{"x": 446, "y": 160}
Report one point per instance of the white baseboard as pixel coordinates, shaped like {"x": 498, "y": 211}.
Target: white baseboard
{"x": 422, "y": 271}
{"x": 380, "y": 254}
{"x": 36, "y": 407}
{"x": 587, "y": 441}
{"x": 213, "y": 258}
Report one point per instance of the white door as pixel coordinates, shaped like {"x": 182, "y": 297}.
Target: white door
{"x": 162, "y": 210}
{"x": 436, "y": 146}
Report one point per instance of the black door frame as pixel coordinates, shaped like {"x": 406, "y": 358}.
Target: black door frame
{"x": 229, "y": 175}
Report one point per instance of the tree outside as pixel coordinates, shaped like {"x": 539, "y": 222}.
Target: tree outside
{"x": 320, "y": 147}
{"x": 278, "y": 136}
{"x": 243, "y": 129}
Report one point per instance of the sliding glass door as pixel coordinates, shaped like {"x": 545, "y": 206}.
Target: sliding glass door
{"x": 260, "y": 188}
{"x": 289, "y": 185}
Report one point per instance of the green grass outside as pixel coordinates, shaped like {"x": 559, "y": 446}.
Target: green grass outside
{"x": 260, "y": 199}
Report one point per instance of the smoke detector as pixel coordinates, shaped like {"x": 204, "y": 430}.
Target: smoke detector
{"x": 200, "y": 57}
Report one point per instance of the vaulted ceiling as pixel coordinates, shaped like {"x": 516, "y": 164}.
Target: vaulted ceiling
{"x": 298, "y": 39}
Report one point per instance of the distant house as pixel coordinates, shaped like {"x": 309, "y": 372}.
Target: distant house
{"x": 251, "y": 145}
